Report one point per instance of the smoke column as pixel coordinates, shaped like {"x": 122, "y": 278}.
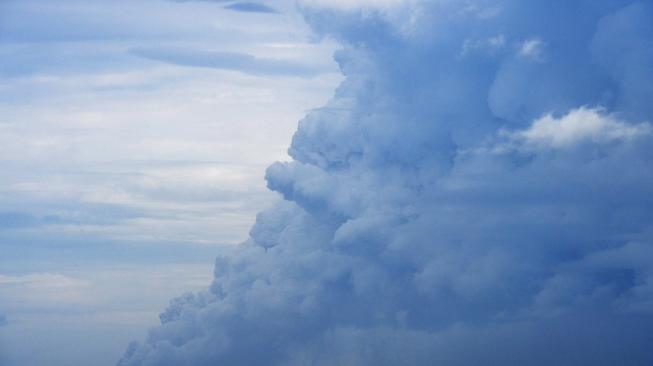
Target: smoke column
{"x": 479, "y": 190}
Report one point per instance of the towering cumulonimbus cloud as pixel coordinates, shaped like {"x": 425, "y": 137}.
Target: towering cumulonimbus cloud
{"x": 478, "y": 191}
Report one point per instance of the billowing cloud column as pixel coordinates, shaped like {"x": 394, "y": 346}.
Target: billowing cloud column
{"x": 478, "y": 191}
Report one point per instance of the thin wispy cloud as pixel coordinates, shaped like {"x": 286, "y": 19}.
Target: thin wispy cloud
{"x": 117, "y": 161}
{"x": 226, "y": 61}
{"x": 240, "y": 6}
{"x": 475, "y": 188}
{"x": 248, "y": 7}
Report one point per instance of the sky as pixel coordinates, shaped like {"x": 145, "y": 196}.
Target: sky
{"x": 134, "y": 137}
{"x": 469, "y": 182}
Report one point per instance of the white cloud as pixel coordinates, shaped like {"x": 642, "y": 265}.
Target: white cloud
{"x": 532, "y": 49}
{"x": 579, "y": 125}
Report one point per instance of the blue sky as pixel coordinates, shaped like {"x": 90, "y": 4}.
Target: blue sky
{"x": 134, "y": 140}
{"x": 469, "y": 182}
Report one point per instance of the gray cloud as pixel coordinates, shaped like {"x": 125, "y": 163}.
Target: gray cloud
{"x": 248, "y": 7}
{"x": 242, "y": 6}
{"x": 225, "y": 60}
{"x": 208, "y": 1}
{"x": 450, "y": 207}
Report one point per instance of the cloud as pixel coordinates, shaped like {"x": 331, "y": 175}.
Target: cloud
{"x": 352, "y": 4}
{"x": 210, "y": 1}
{"x": 250, "y": 7}
{"x": 241, "y": 6}
{"x": 404, "y": 239}
{"x": 31, "y": 290}
{"x": 17, "y": 220}
{"x": 86, "y": 185}
{"x": 225, "y": 60}
{"x": 3, "y": 320}
{"x": 532, "y": 49}
{"x": 577, "y": 126}
{"x": 71, "y": 317}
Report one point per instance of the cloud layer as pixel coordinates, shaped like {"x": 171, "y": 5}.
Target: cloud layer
{"x": 225, "y": 60}
{"x": 476, "y": 192}
{"x": 114, "y": 166}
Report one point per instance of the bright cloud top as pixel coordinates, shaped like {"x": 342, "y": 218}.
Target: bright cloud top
{"x": 577, "y": 126}
{"x": 454, "y": 203}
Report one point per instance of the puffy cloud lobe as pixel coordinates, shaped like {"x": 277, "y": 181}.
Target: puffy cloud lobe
{"x": 576, "y": 127}
{"x": 456, "y": 202}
